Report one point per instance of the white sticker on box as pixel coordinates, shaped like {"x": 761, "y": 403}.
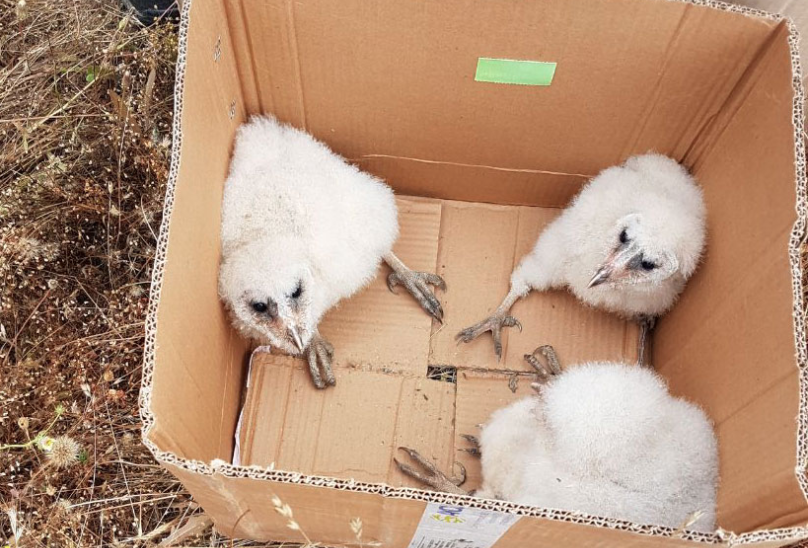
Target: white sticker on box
{"x": 448, "y": 526}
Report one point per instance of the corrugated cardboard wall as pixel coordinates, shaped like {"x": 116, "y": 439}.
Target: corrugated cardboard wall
{"x": 398, "y": 94}
{"x": 199, "y": 377}
{"x": 398, "y": 97}
{"x": 728, "y": 344}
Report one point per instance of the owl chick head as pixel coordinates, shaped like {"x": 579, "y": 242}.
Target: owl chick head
{"x": 270, "y": 298}
{"x": 661, "y": 241}
{"x": 643, "y": 251}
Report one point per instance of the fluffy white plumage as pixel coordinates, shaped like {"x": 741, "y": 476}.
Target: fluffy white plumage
{"x": 627, "y": 243}
{"x": 606, "y": 439}
{"x": 301, "y": 229}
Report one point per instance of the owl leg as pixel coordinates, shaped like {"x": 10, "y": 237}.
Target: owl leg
{"x": 319, "y": 354}
{"x": 417, "y": 283}
{"x": 647, "y": 324}
{"x": 431, "y": 475}
{"x": 494, "y": 324}
{"x": 544, "y": 372}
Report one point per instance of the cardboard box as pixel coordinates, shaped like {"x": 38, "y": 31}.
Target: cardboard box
{"x": 796, "y": 10}
{"x": 479, "y": 169}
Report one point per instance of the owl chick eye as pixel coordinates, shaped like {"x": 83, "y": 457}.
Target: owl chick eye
{"x": 648, "y": 265}
{"x": 298, "y": 292}
{"x": 623, "y": 236}
{"x": 259, "y": 307}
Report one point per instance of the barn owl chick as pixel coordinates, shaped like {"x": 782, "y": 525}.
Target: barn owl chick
{"x": 602, "y": 438}
{"x": 301, "y": 230}
{"x": 627, "y": 243}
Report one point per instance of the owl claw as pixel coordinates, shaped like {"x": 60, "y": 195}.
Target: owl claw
{"x": 432, "y": 475}
{"x": 494, "y": 324}
{"x": 544, "y": 372}
{"x": 475, "y": 445}
{"x": 417, "y": 283}
{"x": 319, "y": 354}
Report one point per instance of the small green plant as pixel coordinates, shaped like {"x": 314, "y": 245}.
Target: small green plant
{"x": 41, "y": 439}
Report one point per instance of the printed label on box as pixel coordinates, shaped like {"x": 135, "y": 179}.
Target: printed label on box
{"x": 447, "y": 526}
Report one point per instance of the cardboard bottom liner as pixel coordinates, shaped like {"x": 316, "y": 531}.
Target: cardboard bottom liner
{"x": 404, "y": 381}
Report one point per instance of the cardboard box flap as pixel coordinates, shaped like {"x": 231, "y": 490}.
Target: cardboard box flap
{"x": 350, "y": 433}
{"x": 206, "y": 357}
{"x": 376, "y": 328}
{"x": 664, "y": 69}
{"x": 745, "y": 282}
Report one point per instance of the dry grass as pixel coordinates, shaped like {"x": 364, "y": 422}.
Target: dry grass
{"x": 85, "y": 120}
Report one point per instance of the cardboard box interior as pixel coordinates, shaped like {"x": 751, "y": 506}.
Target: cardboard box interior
{"x": 479, "y": 169}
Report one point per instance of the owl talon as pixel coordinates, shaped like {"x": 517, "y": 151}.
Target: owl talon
{"x": 475, "y": 445}
{"x": 544, "y": 372}
{"x": 319, "y": 355}
{"x": 417, "y": 284}
{"x": 494, "y": 324}
{"x": 432, "y": 475}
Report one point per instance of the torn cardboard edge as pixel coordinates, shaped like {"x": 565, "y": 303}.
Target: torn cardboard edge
{"x": 237, "y": 442}
{"x": 720, "y": 537}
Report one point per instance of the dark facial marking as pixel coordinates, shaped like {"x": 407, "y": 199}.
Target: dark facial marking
{"x": 638, "y": 262}
{"x": 623, "y": 236}
{"x": 269, "y": 308}
{"x": 298, "y": 291}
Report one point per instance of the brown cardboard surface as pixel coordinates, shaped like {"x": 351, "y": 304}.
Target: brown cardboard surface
{"x": 747, "y": 172}
{"x": 201, "y": 341}
{"x": 377, "y": 328}
{"x": 392, "y": 81}
{"x": 341, "y": 433}
{"x": 389, "y": 521}
{"x": 390, "y": 86}
{"x": 426, "y": 421}
{"x": 476, "y": 257}
{"x": 772, "y": 485}
{"x": 350, "y": 433}
{"x": 478, "y": 395}
{"x": 477, "y": 183}
{"x": 480, "y": 246}
{"x": 794, "y": 9}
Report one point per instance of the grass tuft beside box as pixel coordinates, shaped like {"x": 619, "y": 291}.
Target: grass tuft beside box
{"x": 480, "y": 165}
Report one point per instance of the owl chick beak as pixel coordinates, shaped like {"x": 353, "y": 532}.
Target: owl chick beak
{"x": 295, "y": 336}
{"x": 601, "y": 276}
{"x": 616, "y": 266}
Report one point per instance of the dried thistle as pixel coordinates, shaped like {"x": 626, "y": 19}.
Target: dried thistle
{"x": 64, "y": 452}
{"x": 45, "y": 443}
{"x": 81, "y": 194}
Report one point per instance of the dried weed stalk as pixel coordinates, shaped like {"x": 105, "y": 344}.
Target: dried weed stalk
{"x": 85, "y": 137}
{"x": 85, "y": 119}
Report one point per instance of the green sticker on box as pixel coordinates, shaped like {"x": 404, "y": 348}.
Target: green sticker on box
{"x": 509, "y": 71}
